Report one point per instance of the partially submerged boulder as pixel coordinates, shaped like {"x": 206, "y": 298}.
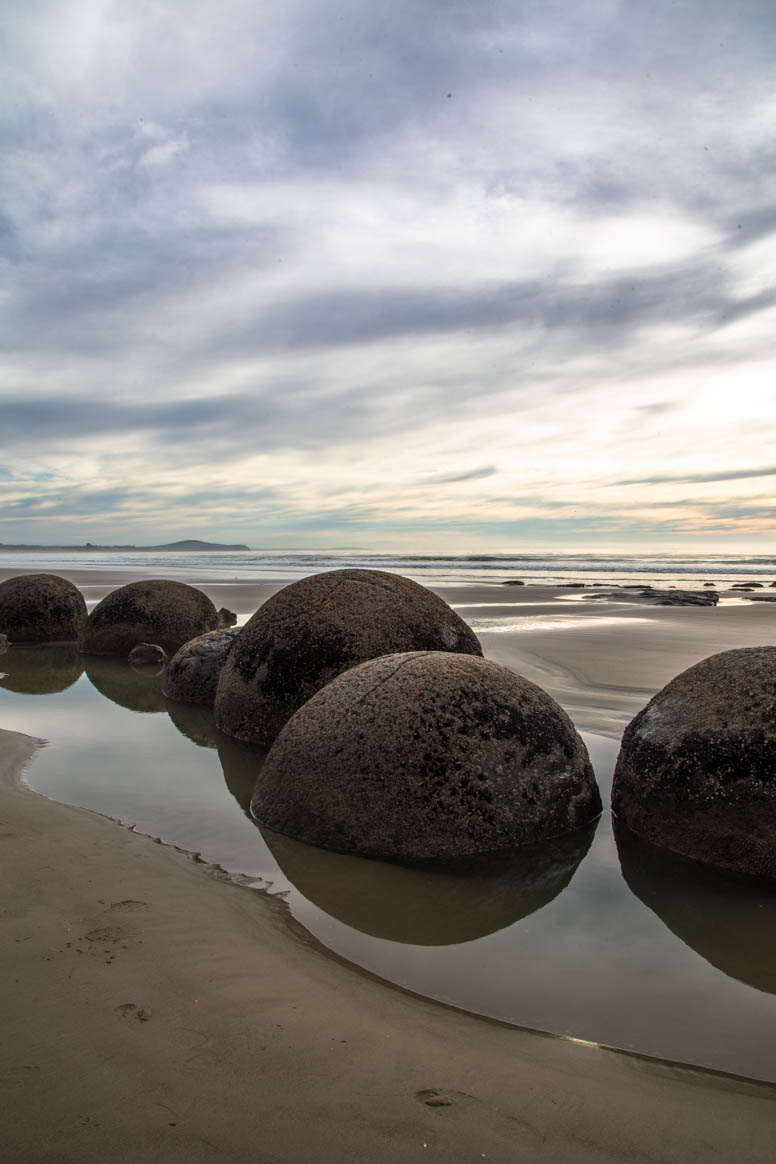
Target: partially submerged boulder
{"x": 157, "y": 611}
{"x": 41, "y": 608}
{"x": 696, "y": 773}
{"x": 194, "y": 670}
{"x": 427, "y": 755}
{"x": 147, "y": 655}
{"x": 311, "y": 631}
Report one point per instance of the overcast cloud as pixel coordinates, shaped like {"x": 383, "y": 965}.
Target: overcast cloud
{"x": 441, "y": 275}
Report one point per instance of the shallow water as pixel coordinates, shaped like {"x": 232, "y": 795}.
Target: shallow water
{"x": 625, "y": 949}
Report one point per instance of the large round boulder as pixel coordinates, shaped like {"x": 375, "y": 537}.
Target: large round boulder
{"x": 427, "y": 755}
{"x": 41, "y": 608}
{"x": 696, "y": 772}
{"x": 157, "y": 611}
{"x": 194, "y": 670}
{"x": 311, "y": 631}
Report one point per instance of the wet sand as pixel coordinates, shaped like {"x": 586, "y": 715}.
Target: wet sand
{"x": 154, "y": 1010}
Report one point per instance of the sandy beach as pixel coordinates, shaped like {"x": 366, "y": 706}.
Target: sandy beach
{"x": 156, "y": 1010}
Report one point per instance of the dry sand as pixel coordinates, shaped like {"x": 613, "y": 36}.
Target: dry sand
{"x": 155, "y": 1011}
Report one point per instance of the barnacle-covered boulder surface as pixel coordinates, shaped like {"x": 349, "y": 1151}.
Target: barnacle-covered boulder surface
{"x": 314, "y": 629}
{"x": 696, "y": 773}
{"x": 194, "y": 670}
{"x": 427, "y": 755}
{"x": 157, "y": 611}
{"x": 41, "y": 608}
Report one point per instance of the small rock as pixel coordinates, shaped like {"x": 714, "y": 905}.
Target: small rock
{"x": 683, "y": 598}
{"x": 513, "y": 582}
{"x": 226, "y": 617}
{"x": 147, "y": 654}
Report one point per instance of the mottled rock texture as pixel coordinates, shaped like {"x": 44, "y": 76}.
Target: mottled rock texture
{"x": 147, "y": 655}
{"x": 696, "y": 772}
{"x": 311, "y": 631}
{"x": 427, "y": 755}
{"x": 157, "y": 611}
{"x": 41, "y": 608}
{"x": 194, "y": 670}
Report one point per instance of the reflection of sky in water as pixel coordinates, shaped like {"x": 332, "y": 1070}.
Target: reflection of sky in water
{"x": 594, "y": 962}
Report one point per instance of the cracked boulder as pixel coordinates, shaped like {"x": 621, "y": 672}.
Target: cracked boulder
{"x": 312, "y": 631}
{"x": 41, "y": 608}
{"x": 696, "y": 773}
{"x": 427, "y": 756}
{"x": 157, "y": 611}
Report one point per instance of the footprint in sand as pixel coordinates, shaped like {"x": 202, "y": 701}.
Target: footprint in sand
{"x": 129, "y": 906}
{"x": 432, "y": 1097}
{"x": 131, "y": 1010}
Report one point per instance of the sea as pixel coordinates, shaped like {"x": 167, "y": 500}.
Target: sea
{"x": 605, "y": 569}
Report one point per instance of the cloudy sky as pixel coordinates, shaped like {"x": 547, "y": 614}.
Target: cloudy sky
{"x": 437, "y": 274}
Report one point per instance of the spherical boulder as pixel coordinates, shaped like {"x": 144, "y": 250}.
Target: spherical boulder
{"x": 194, "y": 670}
{"x": 158, "y": 611}
{"x": 41, "y": 608}
{"x": 427, "y": 755}
{"x": 696, "y": 773}
{"x": 314, "y": 629}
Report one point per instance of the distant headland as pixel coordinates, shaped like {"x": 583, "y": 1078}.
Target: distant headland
{"x": 187, "y": 545}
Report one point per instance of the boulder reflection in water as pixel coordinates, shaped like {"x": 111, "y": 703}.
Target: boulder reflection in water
{"x": 194, "y": 722}
{"x": 431, "y": 905}
{"x": 33, "y": 670}
{"x": 730, "y": 921}
{"x": 241, "y": 764}
{"x": 130, "y": 687}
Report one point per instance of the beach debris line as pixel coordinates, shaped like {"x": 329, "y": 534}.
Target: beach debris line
{"x": 311, "y": 631}
{"x": 427, "y": 755}
{"x": 41, "y": 608}
{"x": 696, "y": 773}
{"x": 156, "y": 611}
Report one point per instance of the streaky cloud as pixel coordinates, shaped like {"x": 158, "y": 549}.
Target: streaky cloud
{"x": 699, "y": 478}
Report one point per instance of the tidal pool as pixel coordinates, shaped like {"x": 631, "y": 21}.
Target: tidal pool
{"x": 593, "y": 937}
